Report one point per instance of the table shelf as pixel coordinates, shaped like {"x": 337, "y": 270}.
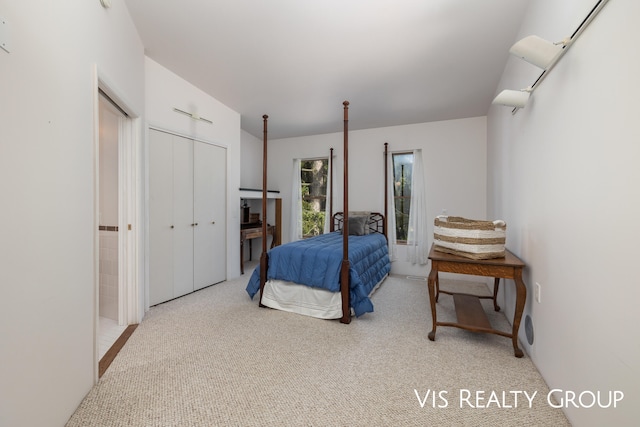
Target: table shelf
{"x": 470, "y": 313}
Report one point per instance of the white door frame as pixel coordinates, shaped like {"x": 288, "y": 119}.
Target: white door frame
{"x": 130, "y": 224}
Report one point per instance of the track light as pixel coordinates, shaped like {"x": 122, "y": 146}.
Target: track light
{"x": 543, "y": 54}
{"x": 538, "y": 51}
{"x": 513, "y": 98}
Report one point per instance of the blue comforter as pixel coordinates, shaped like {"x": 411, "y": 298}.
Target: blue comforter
{"x": 317, "y": 261}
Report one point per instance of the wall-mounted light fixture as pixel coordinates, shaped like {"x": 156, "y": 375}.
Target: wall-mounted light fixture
{"x": 538, "y": 51}
{"x": 543, "y": 54}
{"x": 513, "y": 98}
{"x": 194, "y": 116}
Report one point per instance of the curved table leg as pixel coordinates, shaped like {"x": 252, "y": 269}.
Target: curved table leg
{"x": 496, "y": 286}
{"x": 521, "y": 297}
{"x": 241, "y": 255}
{"x": 433, "y": 282}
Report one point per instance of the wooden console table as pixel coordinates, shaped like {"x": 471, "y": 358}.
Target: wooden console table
{"x": 469, "y": 311}
{"x": 253, "y": 231}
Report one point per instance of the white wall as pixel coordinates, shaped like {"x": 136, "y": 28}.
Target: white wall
{"x": 47, "y": 271}
{"x": 166, "y": 91}
{"x": 454, "y": 154}
{"x": 564, "y": 174}
{"x": 251, "y": 166}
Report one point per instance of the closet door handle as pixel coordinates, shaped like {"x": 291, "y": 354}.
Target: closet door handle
{"x": 194, "y": 224}
{"x": 172, "y": 227}
{"x": 213, "y": 222}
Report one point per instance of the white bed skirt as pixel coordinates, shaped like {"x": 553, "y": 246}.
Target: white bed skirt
{"x": 305, "y": 300}
{"x": 315, "y": 302}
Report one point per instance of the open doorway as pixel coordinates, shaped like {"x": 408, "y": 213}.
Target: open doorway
{"x": 118, "y": 218}
{"x": 110, "y": 323}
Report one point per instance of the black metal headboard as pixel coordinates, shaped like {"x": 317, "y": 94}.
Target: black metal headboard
{"x": 376, "y": 222}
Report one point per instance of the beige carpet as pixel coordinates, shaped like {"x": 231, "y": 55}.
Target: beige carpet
{"x": 214, "y": 358}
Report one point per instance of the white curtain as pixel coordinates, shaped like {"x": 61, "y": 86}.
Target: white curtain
{"x": 296, "y": 203}
{"x": 327, "y": 214}
{"x": 391, "y": 218}
{"x": 417, "y": 250}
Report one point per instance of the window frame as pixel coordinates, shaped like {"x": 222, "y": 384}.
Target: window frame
{"x": 406, "y": 198}
{"x": 310, "y": 198}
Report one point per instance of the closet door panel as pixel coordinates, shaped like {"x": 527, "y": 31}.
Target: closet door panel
{"x": 210, "y": 214}
{"x": 220, "y": 211}
{"x": 183, "y": 216}
{"x": 160, "y": 217}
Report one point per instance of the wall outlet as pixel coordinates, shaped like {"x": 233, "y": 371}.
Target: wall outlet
{"x": 536, "y": 292}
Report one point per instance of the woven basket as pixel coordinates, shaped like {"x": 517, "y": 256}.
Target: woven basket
{"x": 470, "y": 238}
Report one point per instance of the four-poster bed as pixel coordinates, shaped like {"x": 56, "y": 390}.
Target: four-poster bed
{"x": 328, "y": 275}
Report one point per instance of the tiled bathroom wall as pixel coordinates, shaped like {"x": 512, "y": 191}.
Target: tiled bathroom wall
{"x": 109, "y": 272}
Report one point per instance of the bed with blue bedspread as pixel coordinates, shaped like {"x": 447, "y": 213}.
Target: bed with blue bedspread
{"x": 320, "y": 264}
{"x": 304, "y": 276}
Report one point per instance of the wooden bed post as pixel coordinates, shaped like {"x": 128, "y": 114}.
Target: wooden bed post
{"x": 386, "y": 188}
{"x": 344, "y": 272}
{"x": 264, "y": 258}
{"x": 331, "y": 227}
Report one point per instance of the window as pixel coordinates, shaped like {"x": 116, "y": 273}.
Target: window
{"x": 402, "y": 173}
{"x": 313, "y": 174}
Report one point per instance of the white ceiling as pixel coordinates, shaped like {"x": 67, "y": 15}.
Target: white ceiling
{"x": 396, "y": 61}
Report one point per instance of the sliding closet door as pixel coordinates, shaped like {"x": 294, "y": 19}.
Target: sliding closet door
{"x": 182, "y": 216}
{"x": 210, "y": 201}
{"x": 160, "y": 217}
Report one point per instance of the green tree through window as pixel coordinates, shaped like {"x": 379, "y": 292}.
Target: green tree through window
{"x": 313, "y": 174}
{"x": 402, "y": 173}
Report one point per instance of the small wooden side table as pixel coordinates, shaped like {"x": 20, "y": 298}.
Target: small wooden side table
{"x": 250, "y": 232}
{"x": 469, "y": 311}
